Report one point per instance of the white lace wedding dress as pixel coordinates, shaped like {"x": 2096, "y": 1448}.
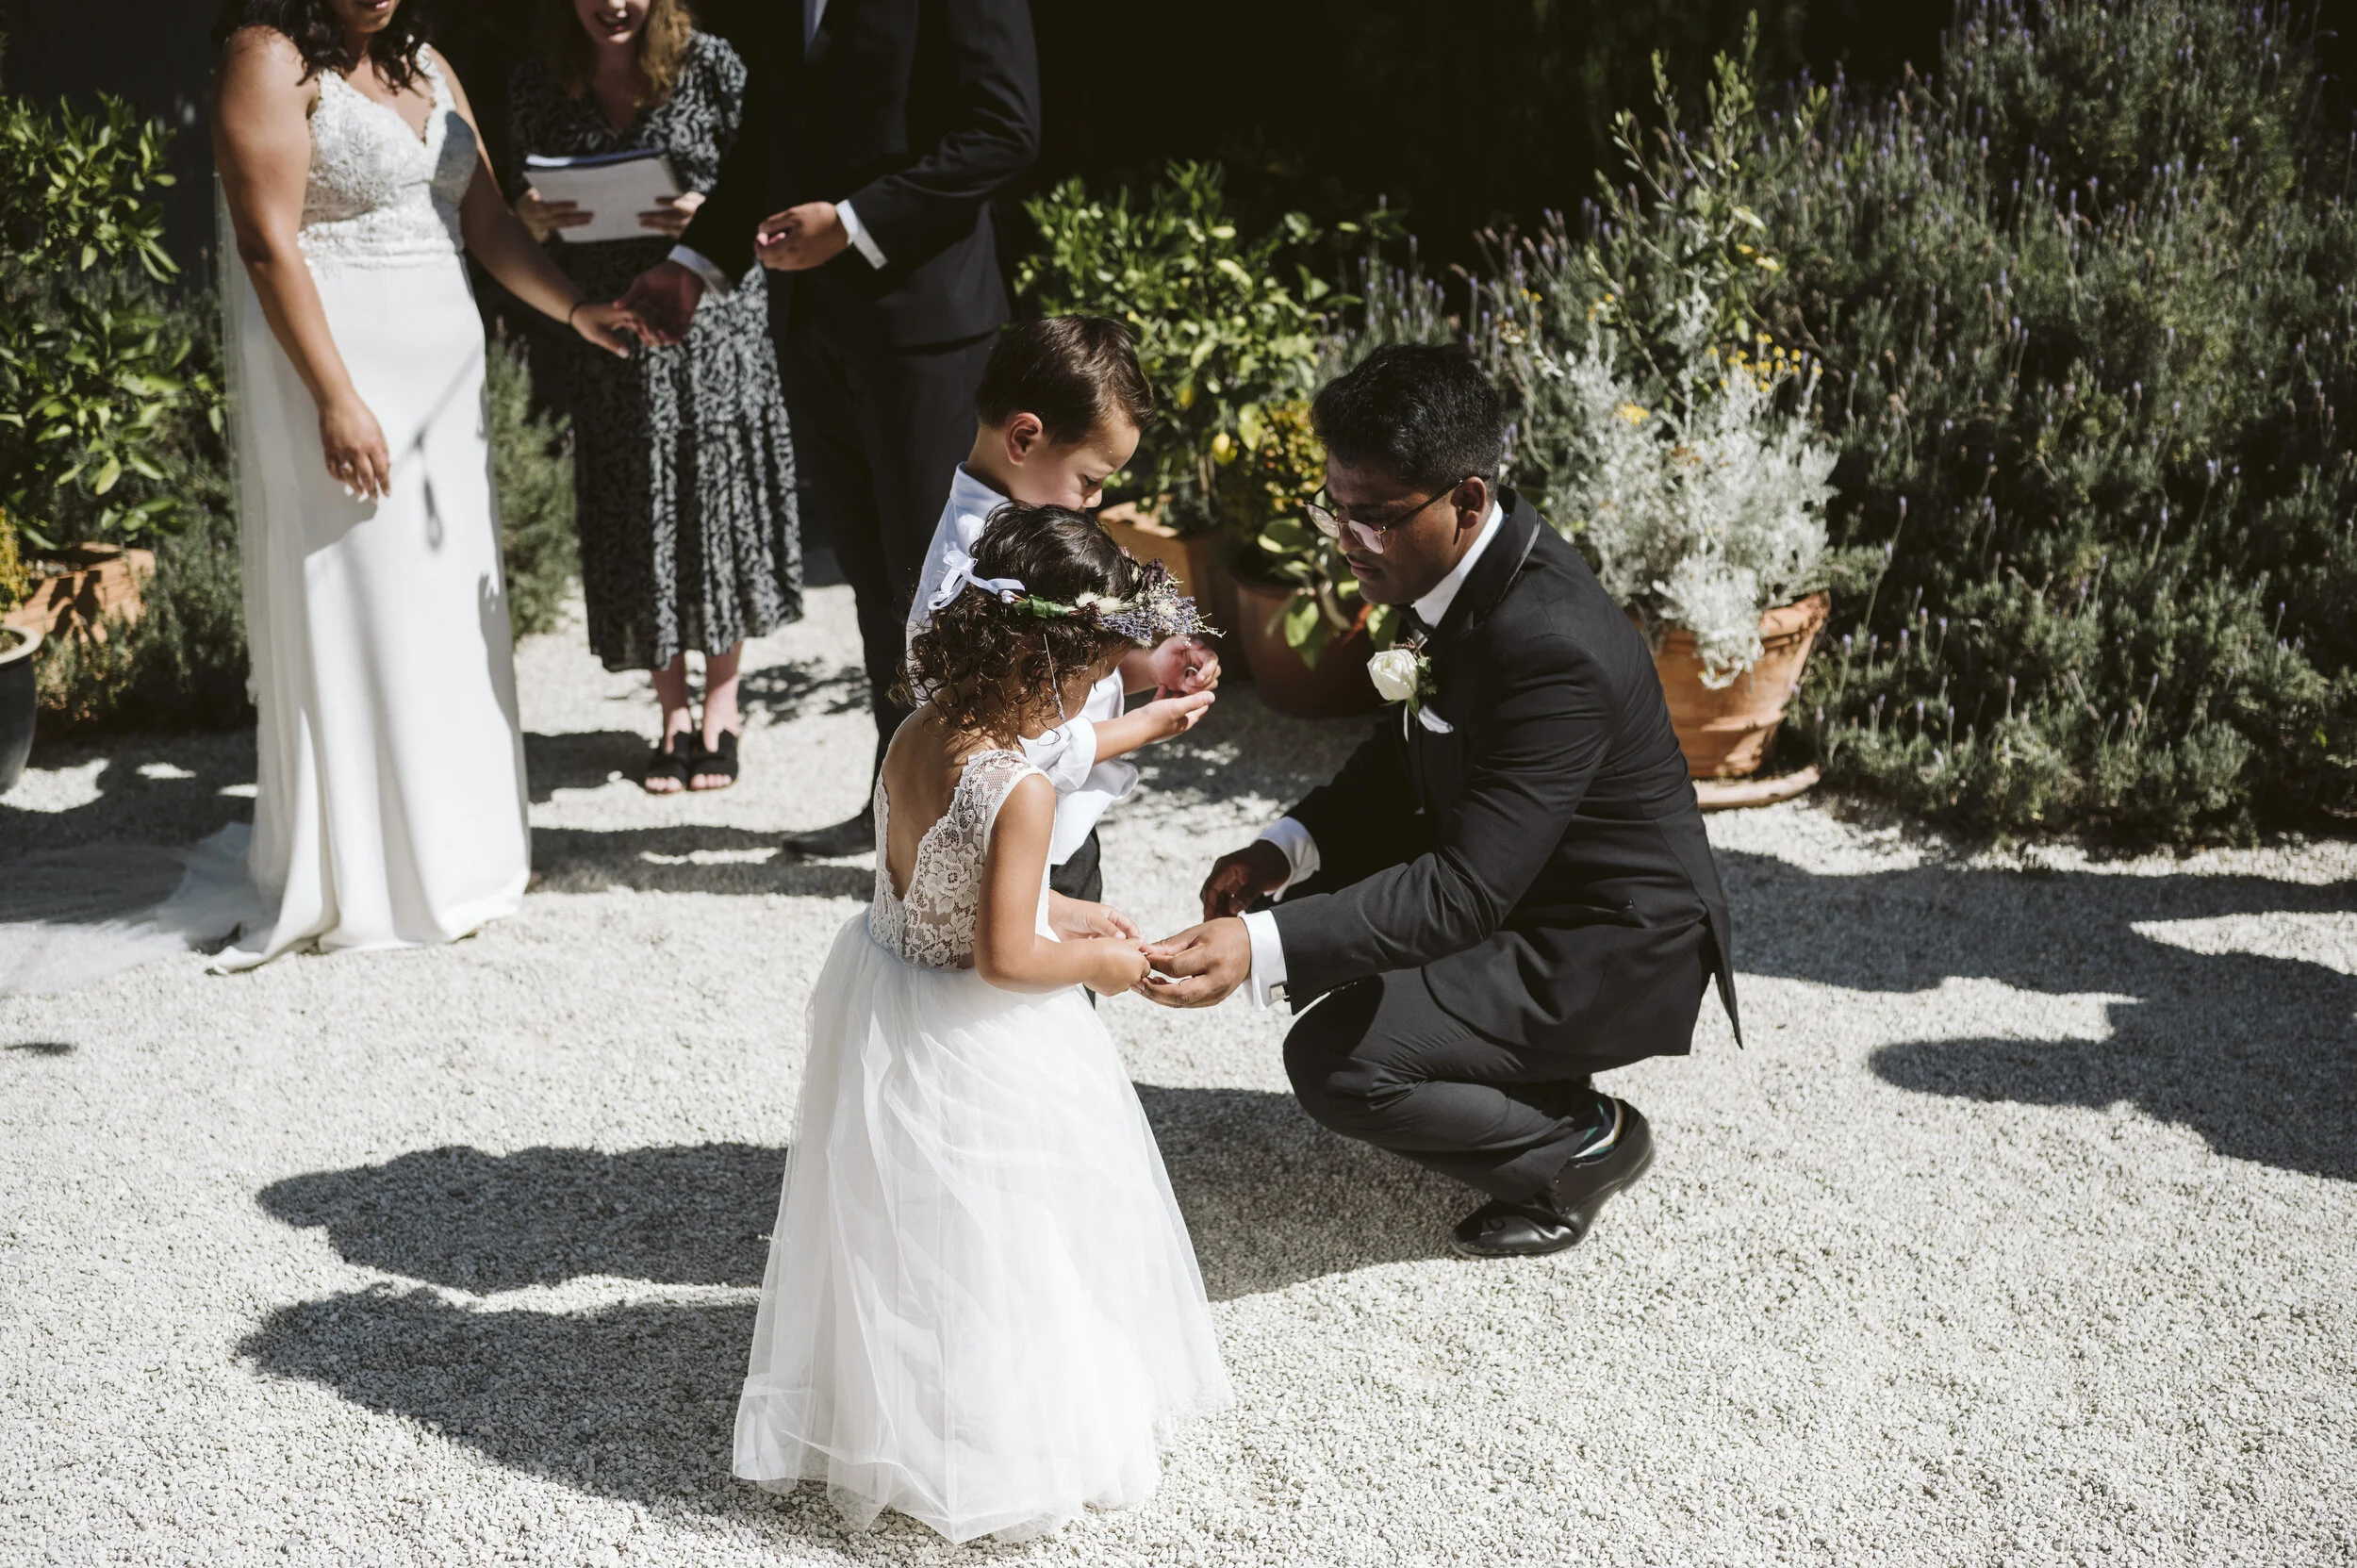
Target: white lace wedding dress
{"x": 391, "y": 802}
{"x": 982, "y": 1308}
{"x": 390, "y": 805}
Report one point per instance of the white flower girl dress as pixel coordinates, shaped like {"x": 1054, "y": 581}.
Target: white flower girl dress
{"x": 982, "y": 1308}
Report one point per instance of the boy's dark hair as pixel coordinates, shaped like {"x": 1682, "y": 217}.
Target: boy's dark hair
{"x": 1423, "y": 410}
{"x": 1075, "y": 372}
{"x": 988, "y": 665}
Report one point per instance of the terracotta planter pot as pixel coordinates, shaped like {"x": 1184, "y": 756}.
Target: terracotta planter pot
{"x": 1337, "y": 688}
{"x": 87, "y": 585}
{"x": 1725, "y": 734}
{"x": 1195, "y": 560}
{"x": 16, "y": 704}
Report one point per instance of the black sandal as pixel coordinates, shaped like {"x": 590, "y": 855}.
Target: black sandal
{"x": 715, "y": 761}
{"x": 675, "y": 760}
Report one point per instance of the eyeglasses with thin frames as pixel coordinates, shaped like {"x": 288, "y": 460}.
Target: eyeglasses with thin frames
{"x": 1339, "y": 525}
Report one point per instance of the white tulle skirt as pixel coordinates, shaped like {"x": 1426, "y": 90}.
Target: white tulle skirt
{"x": 982, "y": 1306}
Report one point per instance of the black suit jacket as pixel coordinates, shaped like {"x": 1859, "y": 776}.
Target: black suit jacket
{"x": 917, "y": 112}
{"x": 1544, "y": 862}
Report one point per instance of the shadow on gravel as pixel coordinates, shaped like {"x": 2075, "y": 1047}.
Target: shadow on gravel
{"x": 799, "y": 686}
{"x": 1241, "y": 749}
{"x": 638, "y": 1401}
{"x": 154, "y": 787}
{"x": 585, "y": 759}
{"x": 1270, "y": 1198}
{"x": 687, "y": 858}
{"x": 2256, "y": 1054}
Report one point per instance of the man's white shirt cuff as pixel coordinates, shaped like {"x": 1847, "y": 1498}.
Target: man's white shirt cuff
{"x": 698, "y": 263}
{"x": 862, "y": 240}
{"x": 1299, "y": 849}
{"x": 1268, "y": 959}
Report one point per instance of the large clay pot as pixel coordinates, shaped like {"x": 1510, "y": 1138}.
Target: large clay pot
{"x": 16, "y": 704}
{"x": 87, "y": 585}
{"x": 1336, "y": 687}
{"x": 1725, "y": 734}
{"x": 1195, "y": 561}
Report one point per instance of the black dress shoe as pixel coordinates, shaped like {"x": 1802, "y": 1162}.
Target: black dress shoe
{"x": 1532, "y": 1229}
{"x": 1582, "y": 1186}
{"x": 1502, "y": 1229}
{"x": 853, "y": 838}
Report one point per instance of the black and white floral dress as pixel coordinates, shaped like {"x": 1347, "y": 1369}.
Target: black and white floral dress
{"x": 683, "y": 467}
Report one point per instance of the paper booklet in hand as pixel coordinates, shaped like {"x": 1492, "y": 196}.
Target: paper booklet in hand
{"x": 613, "y": 188}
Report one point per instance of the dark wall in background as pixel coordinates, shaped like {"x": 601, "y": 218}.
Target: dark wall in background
{"x": 1462, "y": 112}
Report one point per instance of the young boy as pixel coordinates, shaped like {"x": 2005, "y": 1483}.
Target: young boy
{"x": 1061, "y": 406}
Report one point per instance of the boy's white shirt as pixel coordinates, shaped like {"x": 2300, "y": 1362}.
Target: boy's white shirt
{"x": 1085, "y": 787}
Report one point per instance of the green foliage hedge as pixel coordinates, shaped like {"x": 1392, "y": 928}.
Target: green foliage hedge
{"x": 2080, "y": 303}
{"x": 2083, "y": 298}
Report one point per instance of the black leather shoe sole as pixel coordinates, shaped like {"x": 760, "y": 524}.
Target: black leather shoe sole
{"x": 1582, "y": 1187}
{"x": 854, "y": 838}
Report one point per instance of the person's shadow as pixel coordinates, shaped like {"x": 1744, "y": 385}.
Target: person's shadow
{"x": 2258, "y": 1054}
{"x": 636, "y": 1400}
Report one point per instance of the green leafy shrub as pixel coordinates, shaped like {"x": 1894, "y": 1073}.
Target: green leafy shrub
{"x": 16, "y": 581}
{"x": 2080, "y": 303}
{"x": 182, "y": 665}
{"x": 1226, "y": 328}
{"x": 531, "y": 475}
{"x": 1261, "y": 487}
{"x": 109, "y": 408}
{"x": 2084, "y": 298}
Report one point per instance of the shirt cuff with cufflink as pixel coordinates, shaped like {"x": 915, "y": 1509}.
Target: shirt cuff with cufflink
{"x": 1300, "y": 849}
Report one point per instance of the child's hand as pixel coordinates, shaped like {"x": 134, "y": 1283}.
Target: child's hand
{"x": 1076, "y": 920}
{"x": 1166, "y": 716}
{"x": 1185, "y": 665}
{"x": 1120, "y": 966}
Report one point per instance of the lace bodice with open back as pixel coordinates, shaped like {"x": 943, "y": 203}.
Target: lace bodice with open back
{"x": 931, "y": 925}
{"x": 379, "y": 195}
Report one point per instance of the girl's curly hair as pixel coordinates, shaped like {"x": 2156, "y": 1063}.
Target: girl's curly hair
{"x": 398, "y": 48}
{"x": 988, "y": 665}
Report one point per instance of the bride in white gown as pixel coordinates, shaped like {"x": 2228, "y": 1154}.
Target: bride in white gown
{"x": 390, "y": 803}
{"x": 391, "y": 807}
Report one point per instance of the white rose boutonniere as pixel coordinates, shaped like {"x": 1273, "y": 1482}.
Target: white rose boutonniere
{"x": 1401, "y": 675}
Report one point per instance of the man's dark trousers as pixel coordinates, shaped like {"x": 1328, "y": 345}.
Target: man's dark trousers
{"x": 1082, "y": 877}
{"x": 879, "y": 433}
{"x": 1381, "y": 1061}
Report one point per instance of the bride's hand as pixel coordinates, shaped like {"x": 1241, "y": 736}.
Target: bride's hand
{"x": 353, "y": 445}
{"x": 609, "y": 326}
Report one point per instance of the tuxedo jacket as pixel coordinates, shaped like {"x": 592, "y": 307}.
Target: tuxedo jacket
{"x": 917, "y": 112}
{"x": 1542, "y": 859}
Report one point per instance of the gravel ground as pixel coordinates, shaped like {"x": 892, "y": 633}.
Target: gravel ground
{"x": 2021, "y": 1231}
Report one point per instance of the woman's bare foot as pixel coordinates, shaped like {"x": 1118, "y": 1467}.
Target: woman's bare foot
{"x": 668, "y": 764}
{"x": 723, "y": 723}
{"x": 667, "y": 767}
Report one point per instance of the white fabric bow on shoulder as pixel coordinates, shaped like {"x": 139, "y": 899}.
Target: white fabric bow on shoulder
{"x": 961, "y": 572}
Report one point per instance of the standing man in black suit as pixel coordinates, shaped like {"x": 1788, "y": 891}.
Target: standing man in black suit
{"x": 1507, "y": 888}
{"x": 876, "y": 133}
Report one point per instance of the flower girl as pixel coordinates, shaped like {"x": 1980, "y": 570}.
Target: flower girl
{"x": 982, "y": 1308}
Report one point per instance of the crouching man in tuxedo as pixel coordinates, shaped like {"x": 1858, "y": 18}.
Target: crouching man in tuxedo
{"x": 1507, "y": 888}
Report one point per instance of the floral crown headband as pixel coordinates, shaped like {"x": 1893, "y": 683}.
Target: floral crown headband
{"x": 1157, "y": 612}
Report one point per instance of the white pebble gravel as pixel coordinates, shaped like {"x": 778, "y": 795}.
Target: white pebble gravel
{"x": 2023, "y": 1230}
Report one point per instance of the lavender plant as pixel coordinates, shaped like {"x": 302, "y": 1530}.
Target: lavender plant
{"x": 2083, "y": 298}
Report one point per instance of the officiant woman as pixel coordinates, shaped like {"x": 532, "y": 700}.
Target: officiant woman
{"x": 683, "y": 468}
